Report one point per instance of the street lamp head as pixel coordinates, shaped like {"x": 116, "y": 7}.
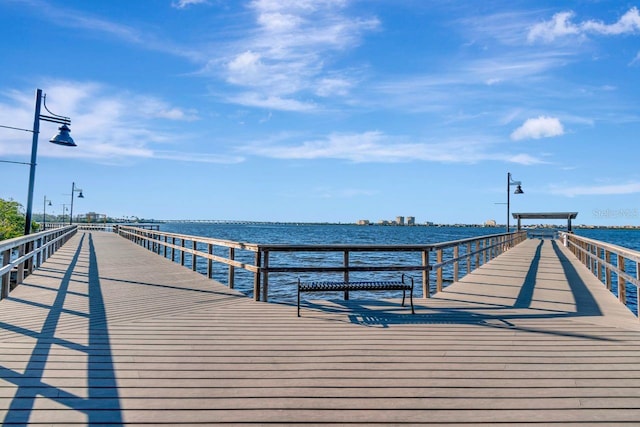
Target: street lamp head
{"x": 63, "y": 137}
{"x": 80, "y": 196}
{"x": 49, "y": 202}
{"x": 518, "y": 190}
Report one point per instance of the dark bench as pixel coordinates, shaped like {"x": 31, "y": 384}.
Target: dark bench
{"x": 346, "y": 287}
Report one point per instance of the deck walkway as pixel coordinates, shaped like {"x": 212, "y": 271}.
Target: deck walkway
{"x": 107, "y": 332}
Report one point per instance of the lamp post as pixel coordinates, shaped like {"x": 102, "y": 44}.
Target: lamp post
{"x": 44, "y": 213}
{"x": 518, "y": 185}
{"x": 80, "y": 196}
{"x": 64, "y": 210}
{"x": 62, "y": 138}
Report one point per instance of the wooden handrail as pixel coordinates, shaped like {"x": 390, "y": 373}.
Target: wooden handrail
{"x": 596, "y": 256}
{"x": 262, "y": 260}
{"x": 22, "y": 255}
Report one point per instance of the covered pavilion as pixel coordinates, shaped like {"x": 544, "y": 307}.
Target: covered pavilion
{"x": 546, "y": 215}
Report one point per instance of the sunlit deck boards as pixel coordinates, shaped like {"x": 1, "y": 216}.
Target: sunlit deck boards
{"x": 107, "y": 332}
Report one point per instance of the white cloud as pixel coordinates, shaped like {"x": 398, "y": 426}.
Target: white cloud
{"x": 598, "y": 190}
{"x": 560, "y": 25}
{"x": 629, "y": 23}
{"x": 72, "y": 18}
{"x": 182, "y": 4}
{"x": 109, "y": 126}
{"x": 377, "y": 147}
{"x": 524, "y": 159}
{"x": 285, "y": 56}
{"x": 541, "y": 127}
{"x": 253, "y": 99}
{"x": 333, "y": 86}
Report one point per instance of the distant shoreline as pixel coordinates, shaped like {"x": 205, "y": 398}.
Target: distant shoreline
{"x": 237, "y": 222}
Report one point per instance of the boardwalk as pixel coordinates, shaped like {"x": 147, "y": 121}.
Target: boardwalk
{"x": 107, "y": 332}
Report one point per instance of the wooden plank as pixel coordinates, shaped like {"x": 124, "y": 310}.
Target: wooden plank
{"x": 107, "y": 332}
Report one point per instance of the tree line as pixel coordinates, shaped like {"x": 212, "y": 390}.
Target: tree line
{"x": 12, "y": 220}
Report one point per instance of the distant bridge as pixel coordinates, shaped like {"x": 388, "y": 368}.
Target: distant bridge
{"x": 235, "y": 221}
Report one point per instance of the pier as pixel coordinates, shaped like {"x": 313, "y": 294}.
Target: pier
{"x": 107, "y": 331}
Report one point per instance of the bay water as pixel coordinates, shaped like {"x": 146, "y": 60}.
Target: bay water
{"x": 282, "y": 287}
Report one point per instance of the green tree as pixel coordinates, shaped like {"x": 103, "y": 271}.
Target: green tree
{"x": 11, "y": 219}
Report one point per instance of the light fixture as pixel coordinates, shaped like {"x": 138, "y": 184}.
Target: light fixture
{"x": 518, "y": 185}
{"x": 62, "y": 138}
{"x": 44, "y": 213}
{"x": 80, "y": 196}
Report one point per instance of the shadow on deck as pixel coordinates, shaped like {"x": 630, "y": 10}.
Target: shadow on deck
{"x": 102, "y": 404}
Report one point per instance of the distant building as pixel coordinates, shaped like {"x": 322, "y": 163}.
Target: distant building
{"x": 411, "y": 220}
{"x": 363, "y": 222}
{"x": 399, "y": 220}
{"x": 94, "y": 217}
{"x": 490, "y": 223}
{"x": 384, "y": 222}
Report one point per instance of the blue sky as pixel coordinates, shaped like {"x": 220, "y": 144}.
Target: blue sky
{"x": 327, "y": 110}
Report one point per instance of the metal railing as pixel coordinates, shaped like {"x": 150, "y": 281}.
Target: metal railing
{"x": 263, "y": 261}
{"x": 615, "y": 266}
{"x": 95, "y": 226}
{"x": 22, "y": 255}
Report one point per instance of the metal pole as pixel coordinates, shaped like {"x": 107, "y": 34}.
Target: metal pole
{"x": 73, "y": 188}
{"x": 44, "y": 214}
{"x": 32, "y": 169}
{"x": 508, "y": 184}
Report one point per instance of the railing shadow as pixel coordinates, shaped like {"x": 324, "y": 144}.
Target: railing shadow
{"x": 379, "y": 313}
{"x": 586, "y": 304}
{"x": 101, "y": 404}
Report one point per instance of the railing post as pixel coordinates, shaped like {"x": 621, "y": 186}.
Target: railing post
{"x": 194, "y": 259}
{"x": 29, "y": 263}
{"x": 426, "y": 291}
{"x": 607, "y": 269}
{"x": 622, "y": 288}
{"x": 232, "y": 270}
{"x": 439, "y": 271}
{"x": 182, "y": 245}
{"x": 265, "y": 277}
{"x": 210, "y": 261}
{"x": 468, "y": 258}
{"x": 637, "y": 290}
{"x": 483, "y": 244}
{"x": 477, "y": 247}
{"x": 164, "y": 247}
{"x": 599, "y": 261}
{"x": 345, "y": 258}
{"x": 257, "y": 276}
{"x": 6, "y": 278}
{"x": 21, "y": 266}
{"x": 39, "y": 255}
{"x": 456, "y": 252}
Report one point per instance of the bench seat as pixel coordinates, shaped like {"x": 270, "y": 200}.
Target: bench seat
{"x": 346, "y": 287}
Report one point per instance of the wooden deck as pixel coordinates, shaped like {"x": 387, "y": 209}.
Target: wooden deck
{"x": 109, "y": 333}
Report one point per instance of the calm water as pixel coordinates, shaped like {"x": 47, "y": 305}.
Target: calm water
{"x": 282, "y": 288}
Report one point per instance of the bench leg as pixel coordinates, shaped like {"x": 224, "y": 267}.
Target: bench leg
{"x": 411, "y": 299}
{"x": 298, "y": 297}
{"x": 403, "y": 294}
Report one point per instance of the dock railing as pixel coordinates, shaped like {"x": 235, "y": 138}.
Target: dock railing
{"x": 615, "y": 266}
{"x": 21, "y": 255}
{"x": 265, "y": 260}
